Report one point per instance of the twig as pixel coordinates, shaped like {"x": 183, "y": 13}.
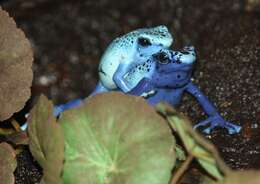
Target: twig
{"x": 15, "y": 125}
{"x": 182, "y": 169}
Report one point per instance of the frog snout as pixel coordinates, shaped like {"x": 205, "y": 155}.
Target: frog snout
{"x": 187, "y": 55}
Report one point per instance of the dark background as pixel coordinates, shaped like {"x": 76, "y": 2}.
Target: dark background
{"x": 69, "y": 37}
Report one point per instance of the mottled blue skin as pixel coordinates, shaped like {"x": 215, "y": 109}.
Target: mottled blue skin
{"x": 126, "y": 51}
{"x": 165, "y": 76}
{"x": 171, "y": 78}
{"x": 121, "y": 55}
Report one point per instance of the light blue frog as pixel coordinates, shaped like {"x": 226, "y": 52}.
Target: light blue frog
{"x": 127, "y": 51}
{"x": 121, "y": 55}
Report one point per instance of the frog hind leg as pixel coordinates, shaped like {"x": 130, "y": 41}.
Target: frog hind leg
{"x": 218, "y": 122}
{"x": 100, "y": 88}
{"x": 214, "y": 119}
{"x": 77, "y": 102}
{"x": 58, "y": 109}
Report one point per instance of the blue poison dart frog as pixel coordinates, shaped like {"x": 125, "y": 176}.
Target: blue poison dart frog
{"x": 140, "y": 63}
{"x": 121, "y": 55}
{"x": 127, "y": 51}
{"x": 166, "y": 76}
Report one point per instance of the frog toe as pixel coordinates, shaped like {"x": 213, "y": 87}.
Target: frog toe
{"x": 202, "y": 123}
{"x": 209, "y": 129}
{"x": 232, "y": 128}
{"x": 217, "y": 121}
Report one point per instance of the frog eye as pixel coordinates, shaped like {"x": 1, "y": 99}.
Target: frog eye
{"x": 162, "y": 57}
{"x": 145, "y": 42}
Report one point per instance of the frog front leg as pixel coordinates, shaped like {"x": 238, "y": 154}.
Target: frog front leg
{"x": 118, "y": 77}
{"x": 214, "y": 119}
{"x": 144, "y": 88}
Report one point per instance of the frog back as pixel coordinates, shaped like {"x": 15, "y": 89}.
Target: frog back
{"x": 120, "y": 51}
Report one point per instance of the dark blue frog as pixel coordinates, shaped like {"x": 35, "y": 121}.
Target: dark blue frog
{"x": 167, "y": 77}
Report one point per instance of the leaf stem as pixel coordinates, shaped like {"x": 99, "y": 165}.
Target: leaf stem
{"x": 182, "y": 169}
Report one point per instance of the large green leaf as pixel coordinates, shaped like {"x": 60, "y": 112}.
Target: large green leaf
{"x": 200, "y": 148}
{"x": 7, "y": 163}
{"x": 46, "y": 141}
{"x": 116, "y": 139}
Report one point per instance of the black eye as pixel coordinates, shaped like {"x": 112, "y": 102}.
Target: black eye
{"x": 162, "y": 57}
{"x": 144, "y": 42}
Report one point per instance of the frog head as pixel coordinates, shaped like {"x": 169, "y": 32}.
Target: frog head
{"x": 173, "y": 68}
{"x": 151, "y": 40}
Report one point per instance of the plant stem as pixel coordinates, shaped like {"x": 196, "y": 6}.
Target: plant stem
{"x": 182, "y": 169}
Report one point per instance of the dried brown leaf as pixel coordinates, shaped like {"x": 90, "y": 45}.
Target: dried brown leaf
{"x": 18, "y": 138}
{"x": 16, "y": 59}
{"x": 46, "y": 141}
{"x": 7, "y": 163}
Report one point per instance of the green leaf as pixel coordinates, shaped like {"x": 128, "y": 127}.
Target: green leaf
{"x": 117, "y": 139}
{"x": 196, "y": 145}
{"x": 7, "y": 163}
{"x": 46, "y": 141}
{"x": 242, "y": 177}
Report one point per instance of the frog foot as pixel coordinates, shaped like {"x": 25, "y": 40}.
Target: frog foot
{"x": 218, "y": 121}
{"x": 148, "y": 94}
